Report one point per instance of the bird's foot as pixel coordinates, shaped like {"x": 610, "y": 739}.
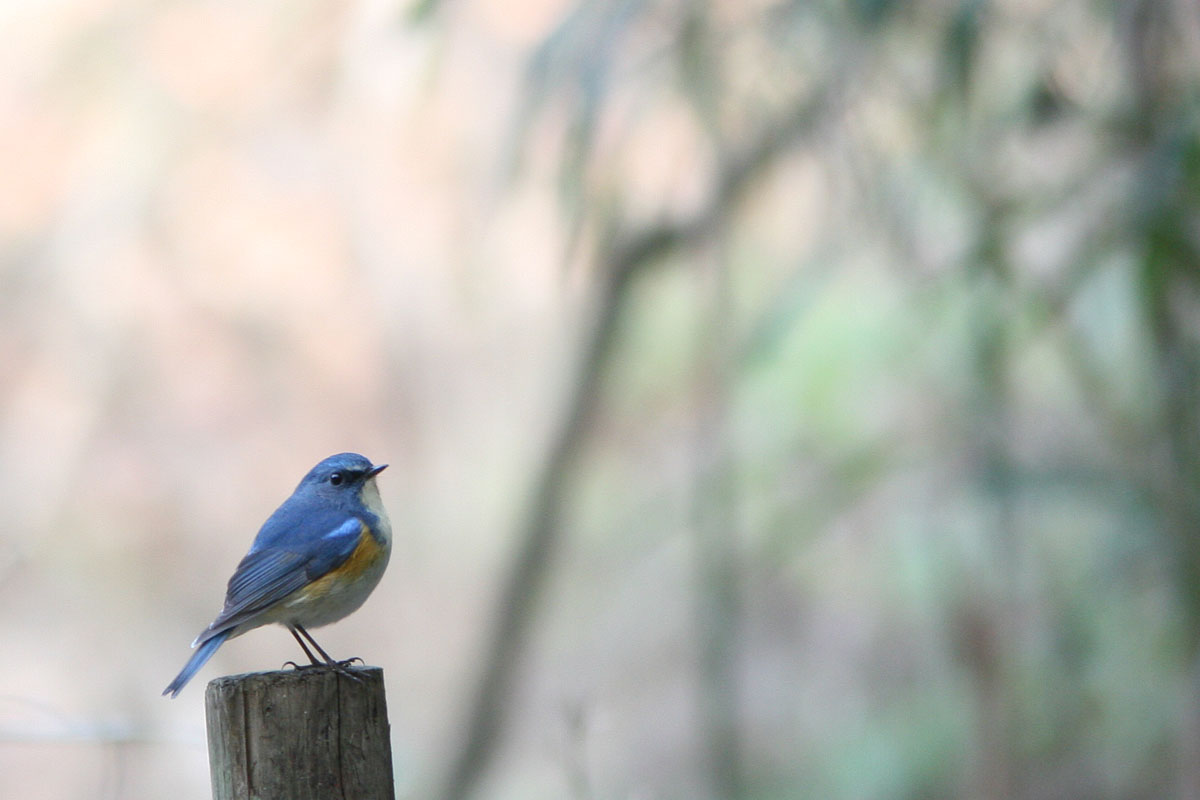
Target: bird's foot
{"x": 344, "y": 668}
{"x": 340, "y": 667}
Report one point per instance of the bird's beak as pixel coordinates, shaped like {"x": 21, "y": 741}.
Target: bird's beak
{"x": 373, "y": 471}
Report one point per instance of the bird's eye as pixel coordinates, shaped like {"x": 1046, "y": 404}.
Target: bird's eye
{"x": 336, "y": 479}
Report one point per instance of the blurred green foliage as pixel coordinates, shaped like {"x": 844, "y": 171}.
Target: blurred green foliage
{"x": 961, "y": 405}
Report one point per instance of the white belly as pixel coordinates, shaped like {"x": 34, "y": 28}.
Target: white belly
{"x": 343, "y": 597}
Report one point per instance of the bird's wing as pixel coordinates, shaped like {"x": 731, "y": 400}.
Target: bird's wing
{"x": 267, "y": 575}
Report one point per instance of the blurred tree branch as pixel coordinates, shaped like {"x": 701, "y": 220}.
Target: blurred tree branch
{"x": 627, "y": 256}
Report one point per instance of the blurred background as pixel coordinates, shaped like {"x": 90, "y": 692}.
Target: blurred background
{"x": 783, "y": 399}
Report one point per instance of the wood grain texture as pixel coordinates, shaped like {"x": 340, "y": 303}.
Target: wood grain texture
{"x": 309, "y": 734}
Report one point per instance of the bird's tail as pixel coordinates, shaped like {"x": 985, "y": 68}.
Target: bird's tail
{"x": 203, "y": 653}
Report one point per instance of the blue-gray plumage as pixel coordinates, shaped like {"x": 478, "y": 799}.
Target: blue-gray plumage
{"x": 315, "y": 560}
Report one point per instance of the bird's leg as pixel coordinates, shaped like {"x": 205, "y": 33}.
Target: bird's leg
{"x": 342, "y": 667}
{"x": 297, "y": 631}
{"x": 304, "y": 647}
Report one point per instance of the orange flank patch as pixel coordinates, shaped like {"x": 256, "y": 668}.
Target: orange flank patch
{"x": 364, "y": 555}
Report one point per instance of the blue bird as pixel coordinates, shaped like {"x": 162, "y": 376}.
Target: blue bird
{"x": 315, "y": 560}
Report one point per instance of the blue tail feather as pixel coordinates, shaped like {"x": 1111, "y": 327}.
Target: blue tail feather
{"x": 203, "y": 654}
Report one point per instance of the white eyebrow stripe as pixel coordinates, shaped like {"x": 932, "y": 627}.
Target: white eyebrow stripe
{"x": 351, "y": 527}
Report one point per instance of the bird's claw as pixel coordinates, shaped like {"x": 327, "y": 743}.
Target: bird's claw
{"x": 343, "y": 668}
{"x": 340, "y": 667}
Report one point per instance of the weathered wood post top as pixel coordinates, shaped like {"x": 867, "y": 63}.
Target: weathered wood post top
{"x": 304, "y": 734}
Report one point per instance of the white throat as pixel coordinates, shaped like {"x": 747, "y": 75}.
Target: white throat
{"x": 373, "y": 502}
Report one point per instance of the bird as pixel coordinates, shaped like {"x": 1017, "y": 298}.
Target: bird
{"x": 315, "y": 560}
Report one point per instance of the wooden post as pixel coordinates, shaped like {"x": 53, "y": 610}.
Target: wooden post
{"x": 306, "y": 734}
